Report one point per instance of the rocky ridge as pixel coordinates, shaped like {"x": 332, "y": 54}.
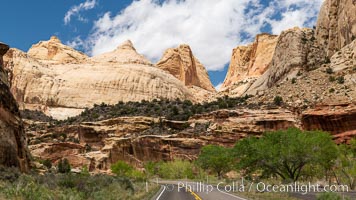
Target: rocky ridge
{"x": 140, "y": 139}
{"x": 123, "y": 54}
{"x": 181, "y": 63}
{"x": 248, "y": 63}
{"x": 13, "y": 147}
{"x": 54, "y": 52}
{"x": 65, "y": 89}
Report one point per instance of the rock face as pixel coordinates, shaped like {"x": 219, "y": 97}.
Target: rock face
{"x": 62, "y": 89}
{"x": 250, "y": 62}
{"x": 140, "y": 139}
{"x": 336, "y": 26}
{"x": 296, "y": 50}
{"x": 13, "y": 148}
{"x": 181, "y": 63}
{"x": 338, "y": 119}
{"x": 53, "y": 51}
{"x": 345, "y": 58}
{"x": 123, "y": 54}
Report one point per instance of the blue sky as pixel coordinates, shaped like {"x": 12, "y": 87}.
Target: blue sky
{"x": 211, "y": 27}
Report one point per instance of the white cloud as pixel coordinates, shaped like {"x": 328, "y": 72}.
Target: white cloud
{"x": 75, "y": 11}
{"x": 295, "y": 13}
{"x": 211, "y": 27}
{"x": 218, "y": 86}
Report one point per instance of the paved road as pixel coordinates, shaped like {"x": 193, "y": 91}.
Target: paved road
{"x": 175, "y": 190}
{"x": 169, "y": 192}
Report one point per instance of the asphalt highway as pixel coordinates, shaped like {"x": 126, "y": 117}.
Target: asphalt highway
{"x": 174, "y": 190}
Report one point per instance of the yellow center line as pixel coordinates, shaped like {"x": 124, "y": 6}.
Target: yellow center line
{"x": 195, "y": 195}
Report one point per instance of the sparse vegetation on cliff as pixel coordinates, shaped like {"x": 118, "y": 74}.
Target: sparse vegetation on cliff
{"x": 172, "y": 110}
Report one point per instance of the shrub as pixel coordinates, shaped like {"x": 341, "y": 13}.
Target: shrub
{"x": 177, "y": 169}
{"x": 121, "y": 168}
{"x": 63, "y": 166}
{"x": 278, "y": 100}
{"x": 329, "y": 70}
{"x": 294, "y": 80}
{"x": 340, "y": 80}
{"x": 330, "y": 196}
{"x": 10, "y": 174}
{"x": 73, "y": 186}
{"x": 85, "y": 171}
{"x": 332, "y": 90}
{"x": 332, "y": 79}
{"x": 47, "y": 163}
{"x": 327, "y": 60}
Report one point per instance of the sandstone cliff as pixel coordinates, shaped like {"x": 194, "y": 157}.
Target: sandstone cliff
{"x": 13, "y": 148}
{"x": 53, "y": 51}
{"x": 123, "y": 54}
{"x": 181, "y": 63}
{"x": 63, "y": 89}
{"x": 345, "y": 58}
{"x": 140, "y": 139}
{"x": 249, "y": 62}
{"x": 336, "y": 26}
{"x": 335, "y": 119}
{"x": 296, "y": 50}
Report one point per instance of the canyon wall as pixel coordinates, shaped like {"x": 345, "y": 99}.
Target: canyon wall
{"x": 336, "y": 25}
{"x": 13, "y": 148}
{"x": 141, "y": 139}
{"x": 249, "y": 62}
{"x": 296, "y": 50}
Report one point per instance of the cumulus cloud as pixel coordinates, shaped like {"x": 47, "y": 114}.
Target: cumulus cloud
{"x": 294, "y": 13}
{"x": 212, "y": 28}
{"x": 75, "y": 11}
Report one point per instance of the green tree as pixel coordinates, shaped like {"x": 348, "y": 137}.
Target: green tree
{"x": 285, "y": 153}
{"x": 215, "y": 158}
{"x": 176, "y": 169}
{"x": 121, "y": 168}
{"x": 345, "y": 166}
{"x": 63, "y": 166}
{"x": 47, "y": 163}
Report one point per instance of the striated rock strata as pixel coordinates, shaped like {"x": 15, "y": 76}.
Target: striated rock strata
{"x": 141, "y": 139}
{"x": 181, "y": 63}
{"x": 336, "y": 26}
{"x": 13, "y": 148}
{"x": 250, "y": 62}
{"x": 62, "y": 89}
{"x": 339, "y": 120}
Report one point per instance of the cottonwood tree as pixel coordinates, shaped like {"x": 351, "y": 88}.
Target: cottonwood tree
{"x": 345, "y": 166}
{"x": 285, "y": 153}
{"x": 215, "y": 158}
